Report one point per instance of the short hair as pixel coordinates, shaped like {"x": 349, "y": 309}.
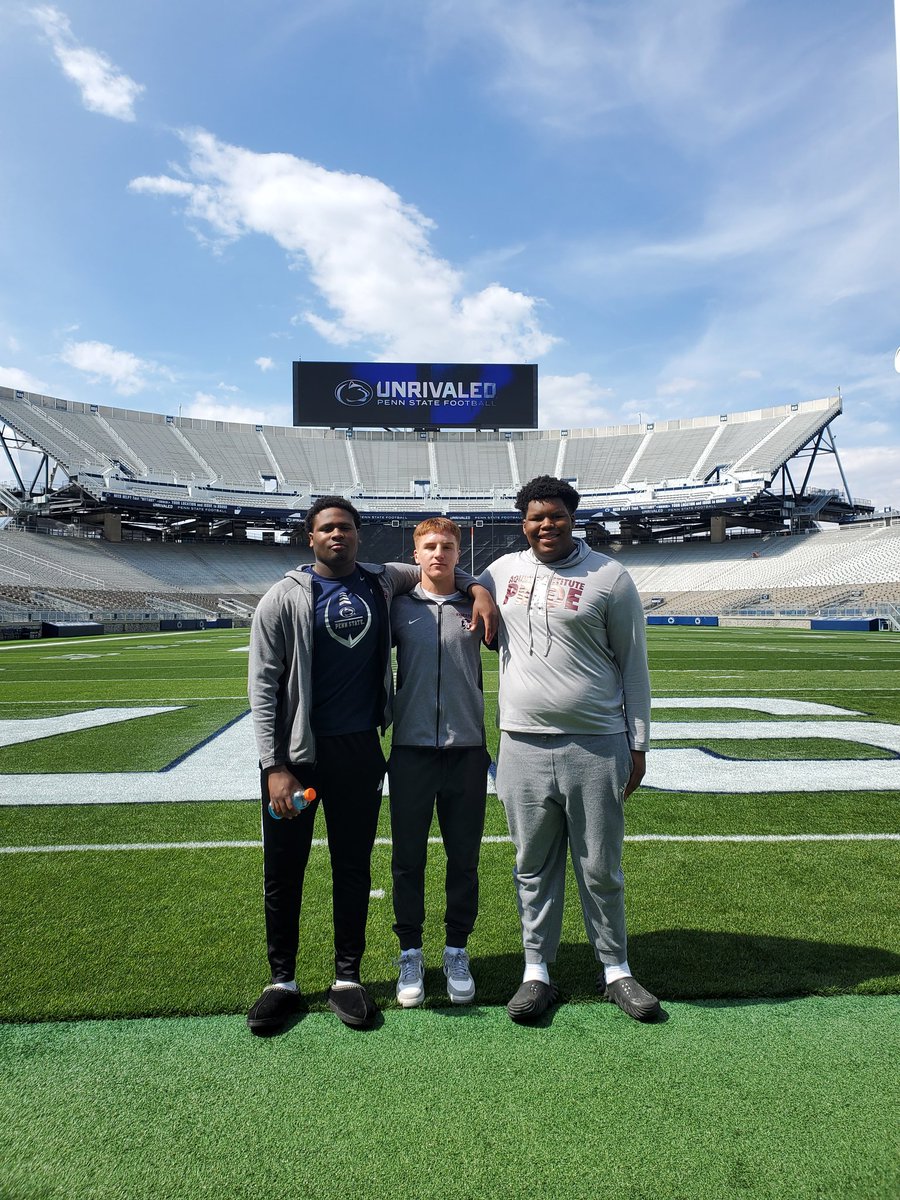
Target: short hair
{"x": 324, "y": 502}
{"x": 547, "y": 487}
{"x": 438, "y": 525}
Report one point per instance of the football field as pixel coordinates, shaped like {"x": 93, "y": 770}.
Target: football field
{"x": 761, "y": 867}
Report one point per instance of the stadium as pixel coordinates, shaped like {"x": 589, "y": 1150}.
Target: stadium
{"x": 160, "y": 518}
{"x": 760, "y": 850}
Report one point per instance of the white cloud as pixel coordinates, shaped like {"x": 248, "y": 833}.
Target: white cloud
{"x": 872, "y": 473}
{"x": 367, "y": 251}
{"x": 578, "y": 67}
{"x": 127, "y": 373}
{"x": 575, "y": 402}
{"x": 677, "y": 387}
{"x": 227, "y": 387}
{"x": 104, "y": 89}
{"x": 264, "y": 363}
{"x": 24, "y": 381}
{"x": 211, "y": 408}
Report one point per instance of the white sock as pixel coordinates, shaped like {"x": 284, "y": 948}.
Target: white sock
{"x": 616, "y": 971}
{"x": 454, "y": 950}
{"x": 411, "y": 950}
{"x": 341, "y": 985}
{"x": 536, "y": 971}
{"x": 290, "y": 986}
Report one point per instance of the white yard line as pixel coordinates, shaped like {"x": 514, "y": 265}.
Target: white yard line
{"x": 493, "y": 839}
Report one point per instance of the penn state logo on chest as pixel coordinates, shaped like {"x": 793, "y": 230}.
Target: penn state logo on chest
{"x": 348, "y": 617}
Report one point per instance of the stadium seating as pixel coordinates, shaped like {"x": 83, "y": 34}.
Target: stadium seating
{"x": 157, "y": 463}
{"x": 115, "y": 449}
{"x": 853, "y": 568}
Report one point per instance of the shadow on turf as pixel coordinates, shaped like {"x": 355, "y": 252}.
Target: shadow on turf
{"x": 699, "y": 964}
{"x": 675, "y": 964}
{"x": 684, "y": 964}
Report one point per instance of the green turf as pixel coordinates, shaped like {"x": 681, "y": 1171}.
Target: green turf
{"x": 759, "y": 1097}
{"x": 758, "y": 1100}
{"x": 154, "y": 742}
{"x": 783, "y": 748}
{"x": 96, "y": 934}
{"x": 104, "y": 938}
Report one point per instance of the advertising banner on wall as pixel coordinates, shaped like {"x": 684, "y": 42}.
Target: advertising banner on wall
{"x": 416, "y": 395}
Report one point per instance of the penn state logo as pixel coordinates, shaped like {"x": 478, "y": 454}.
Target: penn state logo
{"x": 354, "y": 393}
{"x": 348, "y": 618}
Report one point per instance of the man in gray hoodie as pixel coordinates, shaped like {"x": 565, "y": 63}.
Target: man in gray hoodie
{"x": 574, "y": 714}
{"x": 320, "y": 687}
{"x": 438, "y": 759}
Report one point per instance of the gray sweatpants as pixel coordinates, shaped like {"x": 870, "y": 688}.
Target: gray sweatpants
{"x": 560, "y": 792}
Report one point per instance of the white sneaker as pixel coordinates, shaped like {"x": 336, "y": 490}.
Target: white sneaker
{"x": 411, "y": 984}
{"x": 460, "y": 984}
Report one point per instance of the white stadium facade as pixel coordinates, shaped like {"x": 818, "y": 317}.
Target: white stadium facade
{"x": 120, "y": 519}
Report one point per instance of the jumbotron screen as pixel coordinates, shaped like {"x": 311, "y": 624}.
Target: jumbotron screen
{"x": 416, "y": 395}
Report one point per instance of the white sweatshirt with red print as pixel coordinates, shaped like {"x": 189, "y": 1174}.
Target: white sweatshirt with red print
{"x": 573, "y": 654}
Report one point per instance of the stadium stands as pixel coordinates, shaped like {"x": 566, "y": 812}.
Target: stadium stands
{"x": 118, "y": 450}
{"x": 181, "y": 476}
{"x": 850, "y": 569}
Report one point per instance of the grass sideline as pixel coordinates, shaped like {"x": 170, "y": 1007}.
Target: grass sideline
{"x": 758, "y": 1100}
{"x": 762, "y": 1096}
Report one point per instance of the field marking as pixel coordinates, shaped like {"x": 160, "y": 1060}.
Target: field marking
{"x": 493, "y": 839}
{"x": 764, "y": 704}
{"x": 120, "y": 637}
{"x": 177, "y": 700}
{"x": 702, "y": 770}
{"x": 223, "y": 767}
{"x": 13, "y": 734}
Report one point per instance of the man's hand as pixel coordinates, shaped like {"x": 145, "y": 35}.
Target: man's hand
{"x": 484, "y": 611}
{"x": 282, "y": 785}
{"x": 638, "y": 770}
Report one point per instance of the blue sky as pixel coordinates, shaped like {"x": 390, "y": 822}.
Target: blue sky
{"x": 674, "y": 207}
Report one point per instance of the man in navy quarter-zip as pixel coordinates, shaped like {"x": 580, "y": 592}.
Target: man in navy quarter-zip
{"x": 438, "y": 757}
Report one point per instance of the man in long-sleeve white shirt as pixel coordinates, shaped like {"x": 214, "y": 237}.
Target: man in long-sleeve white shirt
{"x": 574, "y": 714}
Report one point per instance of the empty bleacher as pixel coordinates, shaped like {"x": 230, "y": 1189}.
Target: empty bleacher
{"x": 150, "y": 449}
{"x": 599, "y": 462}
{"x": 391, "y": 462}
{"x": 193, "y": 465}
{"x": 855, "y": 556}
{"x": 845, "y": 569}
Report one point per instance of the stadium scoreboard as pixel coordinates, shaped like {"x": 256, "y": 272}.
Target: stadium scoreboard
{"x": 416, "y": 395}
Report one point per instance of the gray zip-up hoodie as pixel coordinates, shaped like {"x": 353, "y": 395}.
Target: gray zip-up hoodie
{"x": 439, "y": 701}
{"x": 573, "y": 655}
{"x": 279, "y": 674}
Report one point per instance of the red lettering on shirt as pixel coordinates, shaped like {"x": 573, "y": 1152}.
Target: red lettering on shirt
{"x": 565, "y": 593}
{"x": 518, "y": 589}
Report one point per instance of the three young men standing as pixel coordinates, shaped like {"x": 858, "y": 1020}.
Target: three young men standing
{"x": 574, "y": 712}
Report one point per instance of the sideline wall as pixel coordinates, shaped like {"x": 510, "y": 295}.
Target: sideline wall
{"x": 847, "y": 625}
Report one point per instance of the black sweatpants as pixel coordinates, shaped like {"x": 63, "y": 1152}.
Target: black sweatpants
{"x": 348, "y": 777}
{"x": 456, "y": 779}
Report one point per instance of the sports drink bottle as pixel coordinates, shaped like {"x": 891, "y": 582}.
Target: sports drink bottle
{"x": 299, "y": 799}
